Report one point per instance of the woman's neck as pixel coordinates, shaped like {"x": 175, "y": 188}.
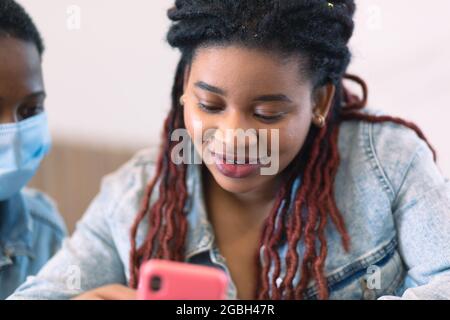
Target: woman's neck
{"x": 248, "y": 208}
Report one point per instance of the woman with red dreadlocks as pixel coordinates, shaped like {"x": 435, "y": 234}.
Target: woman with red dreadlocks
{"x": 357, "y": 208}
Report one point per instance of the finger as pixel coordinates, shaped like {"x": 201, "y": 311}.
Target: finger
{"x": 117, "y": 292}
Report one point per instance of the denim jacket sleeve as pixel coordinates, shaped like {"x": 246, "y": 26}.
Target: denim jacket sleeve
{"x": 90, "y": 257}
{"x": 88, "y": 251}
{"x": 421, "y": 209}
{"x": 31, "y": 232}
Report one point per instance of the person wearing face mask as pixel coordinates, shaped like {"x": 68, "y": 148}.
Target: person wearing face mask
{"x": 31, "y": 229}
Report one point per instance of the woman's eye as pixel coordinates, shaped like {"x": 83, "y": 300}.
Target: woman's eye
{"x": 268, "y": 118}
{"x": 209, "y": 109}
{"x": 28, "y": 112}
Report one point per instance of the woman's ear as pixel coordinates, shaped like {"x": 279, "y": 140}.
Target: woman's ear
{"x": 322, "y": 102}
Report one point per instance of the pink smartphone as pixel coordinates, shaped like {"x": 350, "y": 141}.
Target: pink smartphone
{"x": 168, "y": 280}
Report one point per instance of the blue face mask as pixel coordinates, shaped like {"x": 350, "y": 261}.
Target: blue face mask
{"x": 23, "y": 145}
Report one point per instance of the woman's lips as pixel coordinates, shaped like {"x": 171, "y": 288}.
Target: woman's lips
{"x": 232, "y": 170}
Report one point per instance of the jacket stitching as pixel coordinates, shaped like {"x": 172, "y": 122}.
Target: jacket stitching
{"x": 375, "y": 162}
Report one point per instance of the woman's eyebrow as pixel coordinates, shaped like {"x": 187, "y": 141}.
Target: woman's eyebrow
{"x": 273, "y": 98}
{"x": 264, "y": 98}
{"x": 204, "y": 86}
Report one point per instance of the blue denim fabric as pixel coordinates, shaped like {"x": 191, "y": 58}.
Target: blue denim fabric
{"x": 394, "y": 200}
{"x": 31, "y": 232}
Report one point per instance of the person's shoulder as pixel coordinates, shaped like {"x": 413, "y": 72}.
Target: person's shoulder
{"x": 122, "y": 190}
{"x": 44, "y": 211}
{"x": 387, "y": 147}
{"x": 387, "y": 139}
{"x": 139, "y": 168}
{"x": 392, "y": 139}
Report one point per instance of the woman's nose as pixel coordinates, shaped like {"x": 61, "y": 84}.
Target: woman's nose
{"x": 236, "y": 133}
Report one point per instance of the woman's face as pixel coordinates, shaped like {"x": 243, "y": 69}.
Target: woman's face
{"x": 22, "y": 91}
{"x": 231, "y": 88}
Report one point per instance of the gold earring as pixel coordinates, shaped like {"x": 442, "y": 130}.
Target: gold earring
{"x": 182, "y": 100}
{"x": 319, "y": 120}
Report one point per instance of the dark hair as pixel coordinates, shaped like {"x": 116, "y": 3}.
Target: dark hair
{"x": 15, "y": 22}
{"x": 319, "y": 31}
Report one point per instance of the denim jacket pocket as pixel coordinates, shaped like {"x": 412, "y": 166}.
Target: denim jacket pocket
{"x": 386, "y": 278}
{"x": 368, "y": 278}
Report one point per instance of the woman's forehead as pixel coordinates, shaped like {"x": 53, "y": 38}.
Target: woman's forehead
{"x": 240, "y": 67}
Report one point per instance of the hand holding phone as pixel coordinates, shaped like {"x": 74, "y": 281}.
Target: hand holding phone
{"x": 169, "y": 280}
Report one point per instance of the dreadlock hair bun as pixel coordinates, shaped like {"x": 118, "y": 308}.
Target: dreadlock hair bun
{"x": 312, "y": 27}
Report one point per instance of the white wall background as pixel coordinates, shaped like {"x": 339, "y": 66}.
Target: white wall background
{"x": 109, "y": 81}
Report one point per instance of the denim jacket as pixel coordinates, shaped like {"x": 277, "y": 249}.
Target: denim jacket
{"x": 393, "y": 198}
{"x": 31, "y": 232}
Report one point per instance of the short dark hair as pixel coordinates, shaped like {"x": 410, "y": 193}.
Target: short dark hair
{"x": 15, "y": 22}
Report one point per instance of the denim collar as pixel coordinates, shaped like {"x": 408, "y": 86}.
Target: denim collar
{"x": 200, "y": 236}
{"x": 15, "y": 229}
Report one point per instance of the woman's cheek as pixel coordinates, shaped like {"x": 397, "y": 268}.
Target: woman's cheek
{"x": 192, "y": 121}
{"x": 292, "y": 138}
{"x": 197, "y": 125}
